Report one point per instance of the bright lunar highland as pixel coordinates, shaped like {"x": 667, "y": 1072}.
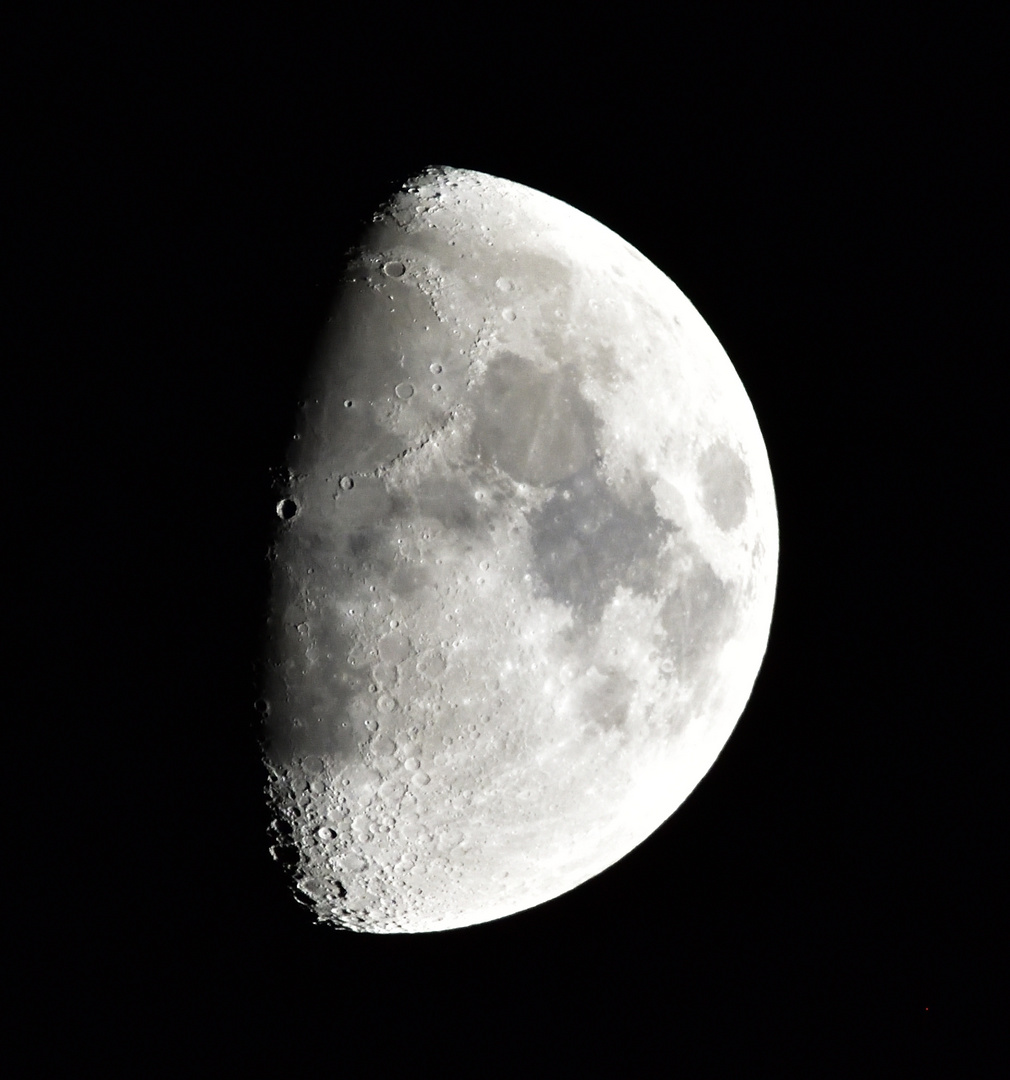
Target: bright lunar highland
{"x": 525, "y": 564}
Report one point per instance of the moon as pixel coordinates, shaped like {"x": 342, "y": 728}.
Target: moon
{"x": 524, "y": 570}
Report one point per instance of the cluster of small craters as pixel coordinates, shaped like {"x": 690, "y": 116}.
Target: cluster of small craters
{"x": 361, "y": 860}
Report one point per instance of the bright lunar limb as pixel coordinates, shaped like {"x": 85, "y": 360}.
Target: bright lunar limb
{"x": 525, "y": 564}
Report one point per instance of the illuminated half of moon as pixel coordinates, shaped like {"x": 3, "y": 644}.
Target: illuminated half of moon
{"x": 525, "y": 564}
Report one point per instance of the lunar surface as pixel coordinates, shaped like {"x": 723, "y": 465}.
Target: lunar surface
{"x": 525, "y": 564}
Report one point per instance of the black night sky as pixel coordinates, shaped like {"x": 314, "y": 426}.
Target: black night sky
{"x": 824, "y": 193}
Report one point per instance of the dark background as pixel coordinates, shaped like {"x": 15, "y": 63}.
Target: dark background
{"x": 824, "y": 190}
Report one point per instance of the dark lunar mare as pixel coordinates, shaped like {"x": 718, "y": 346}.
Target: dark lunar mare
{"x": 533, "y": 424}
{"x": 587, "y": 541}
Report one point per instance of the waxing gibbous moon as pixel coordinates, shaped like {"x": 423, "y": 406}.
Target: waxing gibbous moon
{"x": 525, "y": 564}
